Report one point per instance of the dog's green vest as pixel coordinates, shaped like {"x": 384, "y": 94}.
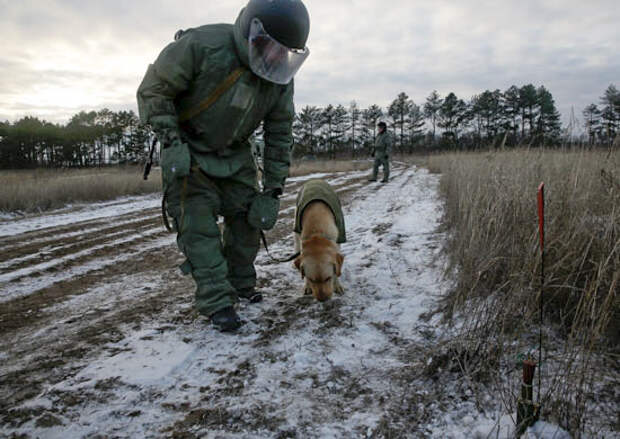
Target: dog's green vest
{"x": 320, "y": 190}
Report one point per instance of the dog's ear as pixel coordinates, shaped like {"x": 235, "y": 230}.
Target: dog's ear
{"x": 298, "y": 265}
{"x": 339, "y": 261}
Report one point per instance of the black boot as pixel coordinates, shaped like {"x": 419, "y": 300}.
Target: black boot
{"x": 225, "y": 320}
{"x": 250, "y": 294}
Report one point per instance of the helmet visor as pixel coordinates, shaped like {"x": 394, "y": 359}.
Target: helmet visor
{"x": 271, "y": 60}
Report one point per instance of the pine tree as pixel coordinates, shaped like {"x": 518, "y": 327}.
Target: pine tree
{"x": 308, "y": 123}
{"x": 431, "y": 109}
{"x": 488, "y": 110}
{"x": 592, "y": 122}
{"x": 548, "y": 124}
{"x": 610, "y": 114}
{"x": 399, "y": 111}
{"x": 512, "y": 109}
{"x": 476, "y": 115}
{"x": 416, "y": 124}
{"x": 527, "y": 102}
{"x": 340, "y": 127}
{"x": 328, "y": 116}
{"x": 452, "y": 114}
{"x": 371, "y": 117}
{"x": 354, "y": 118}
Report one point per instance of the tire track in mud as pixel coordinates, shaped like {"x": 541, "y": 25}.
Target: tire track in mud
{"x": 42, "y": 233}
{"x": 30, "y": 243}
{"x": 35, "y": 261}
{"x": 35, "y": 279}
{"x": 60, "y": 247}
{"x": 101, "y": 248}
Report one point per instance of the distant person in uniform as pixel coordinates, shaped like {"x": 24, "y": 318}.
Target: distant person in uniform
{"x": 381, "y": 152}
{"x": 204, "y": 97}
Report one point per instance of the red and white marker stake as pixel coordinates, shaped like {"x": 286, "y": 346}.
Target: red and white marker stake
{"x": 541, "y": 232}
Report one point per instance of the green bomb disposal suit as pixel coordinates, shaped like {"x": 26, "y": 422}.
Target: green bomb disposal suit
{"x": 223, "y": 178}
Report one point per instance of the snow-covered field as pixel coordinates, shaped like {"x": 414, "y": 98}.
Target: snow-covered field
{"x": 100, "y": 339}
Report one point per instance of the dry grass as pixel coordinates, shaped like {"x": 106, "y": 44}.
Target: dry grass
{"x": 491, "y": 218}
{"x": 313, "y": 166}
{"x": 43, "y": 189}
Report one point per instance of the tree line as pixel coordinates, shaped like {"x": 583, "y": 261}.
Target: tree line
{"x": 602, "y": 124}
{"x": 524, "y": 115}
{"x": 89, "y": 139}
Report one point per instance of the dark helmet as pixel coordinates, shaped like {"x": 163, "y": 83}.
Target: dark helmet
{"x": 382, "y": 125}
{"x": 287, "y": 21}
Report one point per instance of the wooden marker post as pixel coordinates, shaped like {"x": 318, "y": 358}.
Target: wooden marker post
{"x": 541, "y": 232}
{"x": 528, "y": 412}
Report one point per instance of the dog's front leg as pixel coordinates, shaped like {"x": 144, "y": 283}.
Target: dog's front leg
{"x": 338, "y": 289}
{"x": 307, "y": 289}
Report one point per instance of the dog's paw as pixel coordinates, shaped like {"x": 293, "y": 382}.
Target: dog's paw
{"x": 338, "y": 288}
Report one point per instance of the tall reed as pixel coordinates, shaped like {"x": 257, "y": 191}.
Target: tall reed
{"x": 493, "y": 254}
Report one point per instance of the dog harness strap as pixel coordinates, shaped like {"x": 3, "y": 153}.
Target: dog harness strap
{"x": 228, "y": 82}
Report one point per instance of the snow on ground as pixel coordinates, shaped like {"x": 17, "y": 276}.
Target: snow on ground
{"x": 19, "y": 288}
{"x": 82, "y": 212}
{"x": 316, "y": 370}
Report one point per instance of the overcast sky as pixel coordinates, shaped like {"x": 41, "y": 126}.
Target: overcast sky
{"x": 59, "y": 57}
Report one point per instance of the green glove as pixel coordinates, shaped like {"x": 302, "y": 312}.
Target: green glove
{"x": 175, "y": 161}
{"x": 264, "y": 208}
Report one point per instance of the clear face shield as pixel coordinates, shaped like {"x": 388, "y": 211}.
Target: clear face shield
{"x": 271, "y": 60}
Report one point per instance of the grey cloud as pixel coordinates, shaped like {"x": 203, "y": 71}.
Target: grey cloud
{"x": 364, "y": 50}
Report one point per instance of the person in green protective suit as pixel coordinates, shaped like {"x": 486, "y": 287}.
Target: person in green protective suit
{"x": 204, "y": 96}
{"x": 382, "y": 151}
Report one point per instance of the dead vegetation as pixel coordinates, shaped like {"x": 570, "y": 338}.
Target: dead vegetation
{"x": 306, "y": 167}
{"x": 494, "y": 256}
{"x": 38, "y": 190}
{"x": 44, "y": 189}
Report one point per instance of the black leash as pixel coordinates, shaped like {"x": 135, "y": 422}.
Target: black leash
{"x": 147, "y": 170}
{"x": 164, "y": 214}
{"x": 288, "y": 259}
{"x": 149, "y": 163}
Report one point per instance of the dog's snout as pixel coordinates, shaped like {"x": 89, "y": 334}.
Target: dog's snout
{"x": 322, "y": 296}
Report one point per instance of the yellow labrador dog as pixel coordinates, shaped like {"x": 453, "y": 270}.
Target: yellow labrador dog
{"x": 319, "y": 229}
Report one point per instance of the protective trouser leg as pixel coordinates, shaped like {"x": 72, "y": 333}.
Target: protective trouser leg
{"x": 241, "y": 240}
{"x": 386, "y": 169}
{"x": 241, "y": 244}
{"x": 194, "y": 204}
{"x": 375, "y": 168}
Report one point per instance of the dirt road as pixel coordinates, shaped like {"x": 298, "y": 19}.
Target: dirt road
{"x": 100, "y": 339}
